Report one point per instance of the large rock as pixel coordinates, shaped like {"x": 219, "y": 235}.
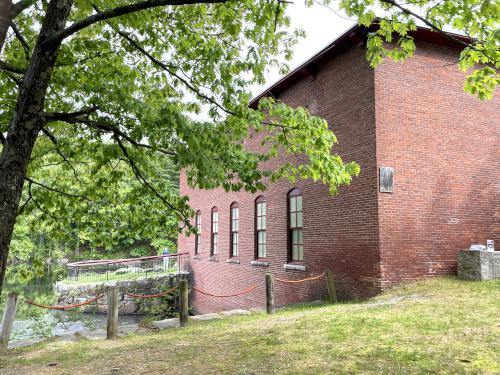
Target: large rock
{"x": 478, "y": 265}
{"x": 128, "y": 308}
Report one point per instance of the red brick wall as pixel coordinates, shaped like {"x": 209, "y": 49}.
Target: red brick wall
{"x": 444, "y": 147}
{"x": 340, "y": 233}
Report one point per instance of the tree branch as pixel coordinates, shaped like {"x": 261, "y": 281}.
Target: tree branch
{"x": 42, "y": 210}
{"x": 108, "y": 128}
{"x": 19, "y": 7}
{"x": 30, "y": 197}
{"x": 169, "y": 70}
{"x": 86, "y": 59}
{"x": 63, "y": 116}
{"x": 53, "y": 139}
{"x": 42, "y": 154}
{"x": 2, "y": 138}
{"x": 11, "y": 68}
{"x": 21, "y": 39}
{"x": 122, "y": 10}
{"x": 428, "y": 23}
{"x": 70, "y": 195}
{"x": 143, "y": 180}
{"x": 16, "y": 80}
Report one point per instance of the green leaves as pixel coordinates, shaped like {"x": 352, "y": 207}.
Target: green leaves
{"x": 171, "y": 86}
{"x": 117, "y": 208}
{"x": 477, "y": 19}
{"x": 294, "y": 132}
{"x": 482, "y": 82}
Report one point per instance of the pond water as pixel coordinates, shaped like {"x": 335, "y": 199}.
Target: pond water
{"x": 58, "y": 324}
{"x": 34, "y": 323}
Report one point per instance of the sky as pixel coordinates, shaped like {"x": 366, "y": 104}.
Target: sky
{"x": 322, "y": 26}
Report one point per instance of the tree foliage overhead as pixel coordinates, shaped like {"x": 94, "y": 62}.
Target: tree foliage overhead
{"x": 141, "y": 89}
{"x": 477, "y": 20}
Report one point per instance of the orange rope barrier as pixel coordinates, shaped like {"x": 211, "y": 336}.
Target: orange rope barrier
{"x": 300, "y": 281}
{"x": 88, "y": 302}
{"x": 246, "y": 291}
{"x": 151, "y": 295}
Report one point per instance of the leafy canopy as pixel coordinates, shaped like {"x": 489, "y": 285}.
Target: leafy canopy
{"x": 141, "y": 96}
{"x": 478, "y": 20}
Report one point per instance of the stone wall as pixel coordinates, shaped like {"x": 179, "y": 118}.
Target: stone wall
{"x": 76, "y": 293}
{"x": 478, "y": 265}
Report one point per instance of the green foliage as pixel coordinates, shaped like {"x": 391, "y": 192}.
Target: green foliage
{"x": 159, "y": 308}
{"x": 307, "y": 137}
{"x": 129, "y": 94}
{"x": 477, "y": 19}
{"x": 139, "y": 251}
{"x": 37, "y": 289}
{"x": 112, "y": 207}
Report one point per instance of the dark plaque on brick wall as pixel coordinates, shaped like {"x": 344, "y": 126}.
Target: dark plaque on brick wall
{"x": 386, "y": 179}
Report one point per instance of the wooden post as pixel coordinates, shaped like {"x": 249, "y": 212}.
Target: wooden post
{"x": 332, "y": 294}
{"x": 269, "y": 293}
{"x": 8, "y": 321}
{"x": 112, "y": 327}
{"x": 183, "y": 301}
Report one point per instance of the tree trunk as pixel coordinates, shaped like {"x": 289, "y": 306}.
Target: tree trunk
{"x": 26, "y": 123}
{"x": 5, "y": 7}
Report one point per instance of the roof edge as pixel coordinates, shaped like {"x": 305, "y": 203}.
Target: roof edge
{"x": 353, "y": 35}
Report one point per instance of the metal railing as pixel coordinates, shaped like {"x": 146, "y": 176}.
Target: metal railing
{"x": 125, "y": 269}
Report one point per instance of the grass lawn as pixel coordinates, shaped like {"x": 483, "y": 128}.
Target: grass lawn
{"x": 438, "y": 326}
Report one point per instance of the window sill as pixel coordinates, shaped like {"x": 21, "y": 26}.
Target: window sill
{"x": 213, "y": 258}
{"x": 259, "y": 263}
{"x": 233, "y": 260}
{"x": 197, "y": 257}
{"x": 295, "y": 267}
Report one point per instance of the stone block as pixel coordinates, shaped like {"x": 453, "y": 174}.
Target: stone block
{"x": 210, "y": 316}
{"x": 166, "y": 323}
{"x": 235, "y": 312}
{"x": 478, "y": 265}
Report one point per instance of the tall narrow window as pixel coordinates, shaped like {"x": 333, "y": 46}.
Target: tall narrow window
{"x": 295, "y": 231}
{"x": 235, "y": 225}
{"x": 260, "y": 227}
{"x": 214, "y": 247}
{"x": 197, "y": 238}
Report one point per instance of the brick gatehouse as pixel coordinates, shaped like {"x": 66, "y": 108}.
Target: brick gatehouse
{"x": 412, "y": 119}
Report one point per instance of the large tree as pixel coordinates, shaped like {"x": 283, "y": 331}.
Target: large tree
{"x": 117, "y": 85}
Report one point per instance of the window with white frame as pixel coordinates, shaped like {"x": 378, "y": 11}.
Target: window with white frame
{"x": 234, "y": 232}
{"x": 295, "y": 226}
{"x": 197, "y": 238}
{"x": 214, "y": 246}
{"x": 260, "y": 228}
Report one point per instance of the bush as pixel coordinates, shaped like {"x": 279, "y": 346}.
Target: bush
{"x": 162, "y": 307}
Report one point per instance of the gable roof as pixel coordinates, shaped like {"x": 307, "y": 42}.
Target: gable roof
{"x": 352, "y": 36}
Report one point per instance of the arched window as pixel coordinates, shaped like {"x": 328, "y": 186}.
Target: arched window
{"x": 234, "y": 229}
{"x": 197, "y": 238}
{"x": 295, "y": 231}
{"x": 260, "y": 227}
{"x": 214, "y": 246}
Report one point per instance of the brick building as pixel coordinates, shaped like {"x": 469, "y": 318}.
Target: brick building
{"x": 410, "y": 119}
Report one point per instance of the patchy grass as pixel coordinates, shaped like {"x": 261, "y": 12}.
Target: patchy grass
{"x": 439, "y": 326}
